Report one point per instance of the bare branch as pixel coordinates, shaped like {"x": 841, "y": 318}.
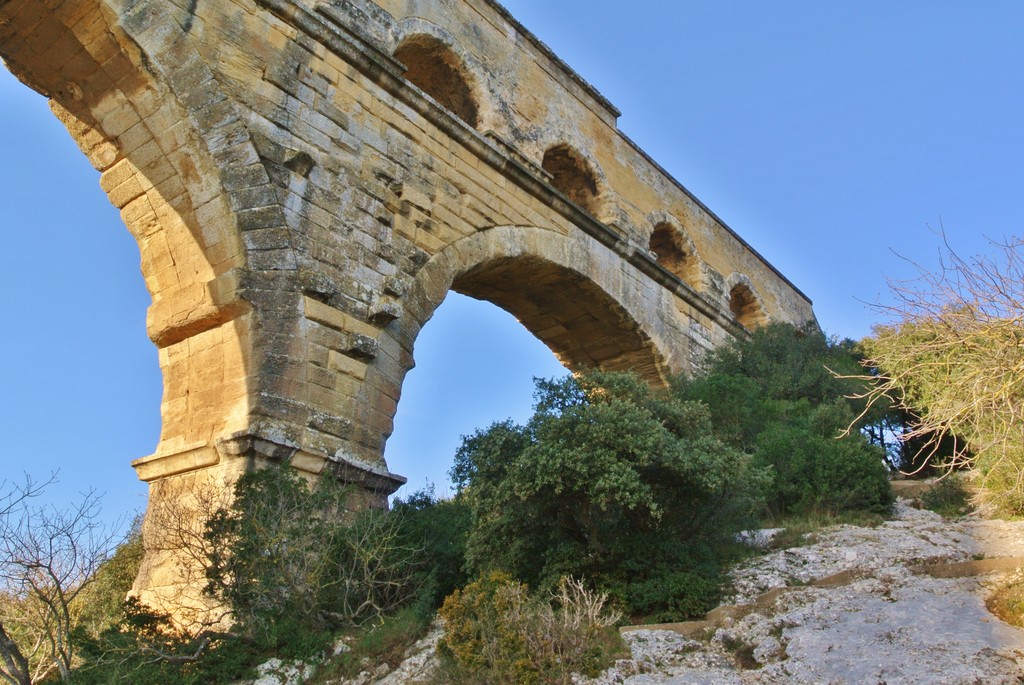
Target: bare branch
{"x": 48, "y": 556}
{"x": 954, "y": 357}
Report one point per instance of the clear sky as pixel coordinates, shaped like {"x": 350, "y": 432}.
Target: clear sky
{"x": 832, "y": 136}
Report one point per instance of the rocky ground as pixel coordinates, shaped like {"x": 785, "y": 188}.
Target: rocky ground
{"x": 864, "y": 605}
{"x": 900, "y": 603}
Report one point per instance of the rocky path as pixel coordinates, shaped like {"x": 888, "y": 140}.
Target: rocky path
{"x": 863, "y": 605}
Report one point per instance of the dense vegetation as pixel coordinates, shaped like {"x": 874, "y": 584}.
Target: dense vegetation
{"x": 614, "y": 501}
{"x": 788, "y": 397}
{"x": 496, "y": 631}
{"x": 294, "y": 567}
{"x": 613, "y": 482}
{"x": 643, "y": 491}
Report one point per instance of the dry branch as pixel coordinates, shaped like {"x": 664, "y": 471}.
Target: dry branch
{"x": 954, "y": 358}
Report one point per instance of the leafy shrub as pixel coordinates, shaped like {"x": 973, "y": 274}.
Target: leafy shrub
{"x": 495, "y": 632}
{"x": 290, "y": 560}
{"x": 438, "y": 528}
{"x": 777, "y": 397}
{"x": 674, "y": 595}
{"x": 948, "y": 497}
{"x": 609, "y": 479}
{"x": 478, "y": 637}
{"x": 815, "y": 470}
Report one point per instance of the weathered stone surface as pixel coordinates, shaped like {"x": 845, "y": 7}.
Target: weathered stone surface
{"x": 863, "y": 605}
{"x": 307, "y": 180}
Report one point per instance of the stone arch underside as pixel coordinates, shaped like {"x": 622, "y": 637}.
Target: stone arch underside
{"x": 117, "y": 93}
{"x": 567, "y": 311}
{"x": 140, "y": 103}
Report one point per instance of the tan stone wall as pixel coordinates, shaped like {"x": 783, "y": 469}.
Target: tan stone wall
{"x": 302, "y": 208}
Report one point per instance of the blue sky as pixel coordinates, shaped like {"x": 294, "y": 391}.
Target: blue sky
{"x": 833, "y": 136}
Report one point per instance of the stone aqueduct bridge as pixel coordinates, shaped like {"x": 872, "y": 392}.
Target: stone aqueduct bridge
{"x": 306, "y": 181}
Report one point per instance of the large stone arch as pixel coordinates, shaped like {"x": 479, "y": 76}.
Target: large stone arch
{"x": 567, "y": 290}
{"x": 142, "y": 105}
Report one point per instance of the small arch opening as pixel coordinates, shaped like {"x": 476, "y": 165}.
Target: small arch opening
{"x": 745, "y": 307}
{"x": 572, "y": 176}
{"x": 440, "y": 73}
{"x": 674, "y": 254}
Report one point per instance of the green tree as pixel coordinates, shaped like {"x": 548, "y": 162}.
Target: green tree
{"x": 439, "y": 528}
{"x": 786, "y": 396}
{"x": 609, "y": 480}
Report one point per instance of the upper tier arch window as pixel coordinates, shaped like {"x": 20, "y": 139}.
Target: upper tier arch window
{"x": 675, "y": 252}
{"x": 572, "y": 176}
{"x": 436, "y": 70}
{"x": 744, "y": 305}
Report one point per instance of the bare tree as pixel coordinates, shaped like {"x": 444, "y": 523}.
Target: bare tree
{"x": 376, "y": 573}
{"x": 954, "y": 358}
{"x": 47, "y": 557}
{"x": 174, "y": 531}
{"x": 15, "y": 665}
